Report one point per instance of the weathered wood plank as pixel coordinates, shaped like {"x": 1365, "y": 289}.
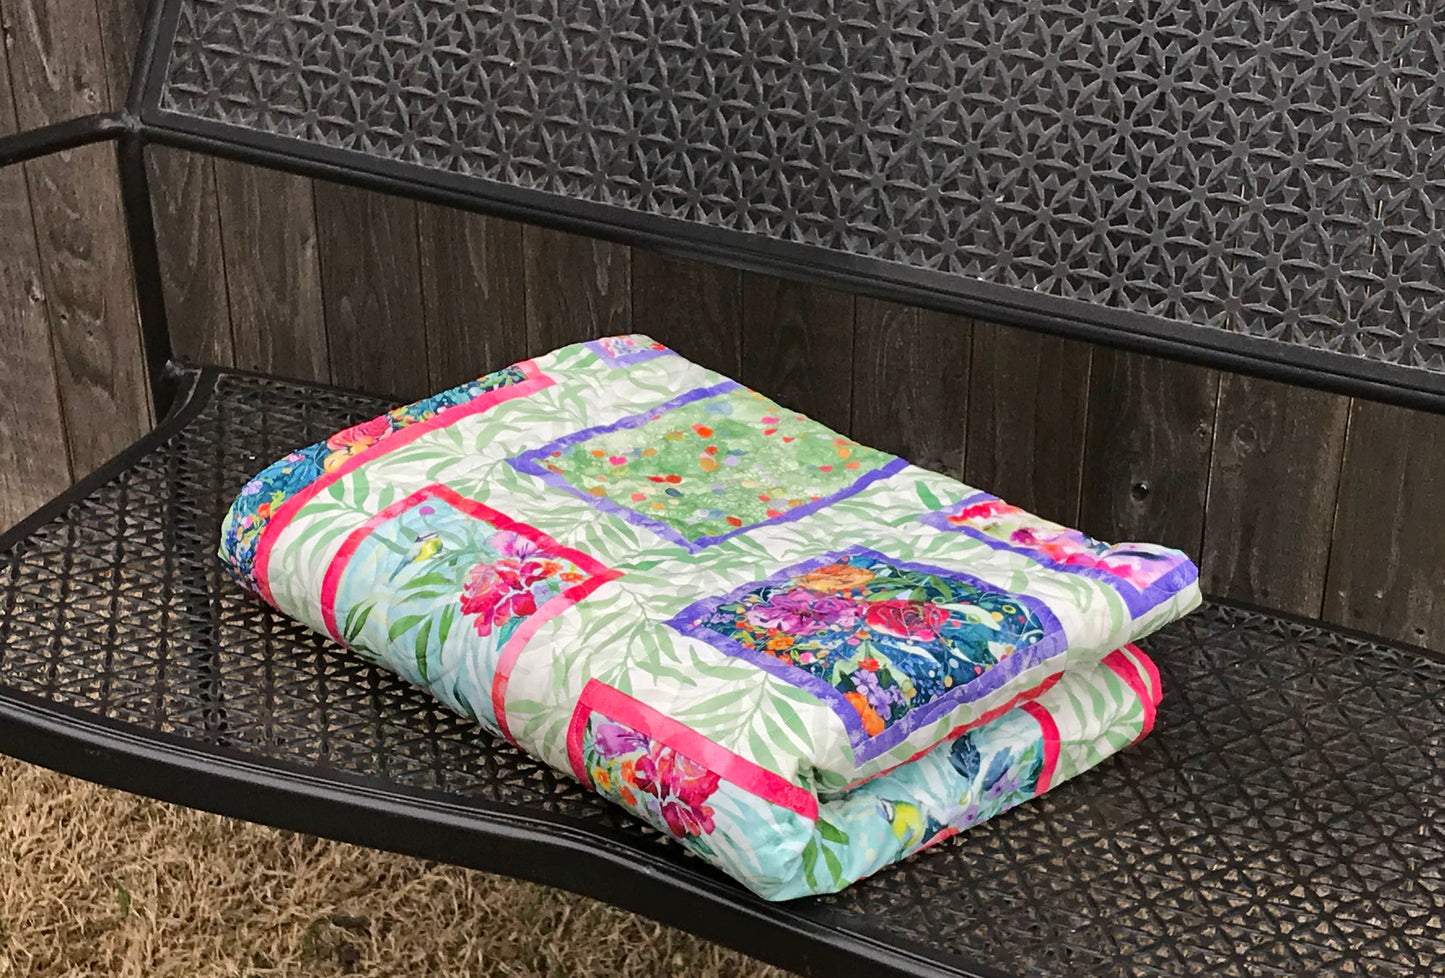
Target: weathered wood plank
{"x": 1146, "y": 455}
{"x": 1386, "y": 572}
{"x": 34, "y": 462}
{"x": 120, "y": 26}
{"x": 273, "y": 271}
{"x": 577, "y": 288}
{"x": 473, "y": 279}
{"x": 910, "y": 383}
{"x": 57, "y": 65}
{"x": 798, "y": 347}
{"x": 193, "y": 266}
{"x": 1028, "y": 407}
{"x": 1273, "y": 484}
{"x": 694, "y": 307}
{"x": 371, "y": 289}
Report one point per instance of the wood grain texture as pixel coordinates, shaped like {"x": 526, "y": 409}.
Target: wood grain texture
{"x": 57, "y": 66}
{"x": 273, "y": 271}
{"x": 577, "y": 288}
{"x": 473, "y": 291}
{"x": 1387, "y": 575}
{"x": 910, "y": 383}
{"x": 798, "y": 347}
{"x": 1028, "y": 408}
{"x": 371, "y": 288}
{"x": 694, "y": 307}
{"x": 120, "y": 26}
{"x": 1273, "y": 483}
{"x": 193, "y": 265}
{"x": 34, "y": 459}
{"x": 1146, "y": 456}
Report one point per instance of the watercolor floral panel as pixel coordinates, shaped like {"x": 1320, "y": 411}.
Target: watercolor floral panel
{"x": 709, "y": 464}
{"x": 437, "y": 567}
{"x": 890, "y": 645}
{"x": 1143, "y": 574}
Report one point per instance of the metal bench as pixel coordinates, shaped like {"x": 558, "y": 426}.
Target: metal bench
{"x": 1179, "y": 180}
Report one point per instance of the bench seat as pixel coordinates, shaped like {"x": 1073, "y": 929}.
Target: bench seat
{"x": 1283, "y": 819}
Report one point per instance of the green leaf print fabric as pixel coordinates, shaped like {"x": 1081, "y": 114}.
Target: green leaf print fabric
{"x": 800, "y": 657}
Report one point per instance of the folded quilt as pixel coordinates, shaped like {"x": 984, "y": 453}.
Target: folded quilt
{"x": 801, "y": 657}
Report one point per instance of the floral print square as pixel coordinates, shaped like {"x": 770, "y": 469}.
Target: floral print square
{"x": 708, "y": 465}
{"x": 1143, "y": 574}
{"x": 890, "y": 645}
{"x": 449, "y": 591}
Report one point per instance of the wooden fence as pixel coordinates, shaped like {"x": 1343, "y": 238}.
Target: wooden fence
{"x": 1302, "y": 501}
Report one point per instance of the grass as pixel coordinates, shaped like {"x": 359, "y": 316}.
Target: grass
{"x": 99, "y": 882}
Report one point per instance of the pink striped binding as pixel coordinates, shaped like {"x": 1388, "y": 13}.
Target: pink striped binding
{"x": 1126, "y": 663}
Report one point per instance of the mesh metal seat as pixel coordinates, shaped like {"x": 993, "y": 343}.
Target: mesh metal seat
{"x": 1283, "y": 819}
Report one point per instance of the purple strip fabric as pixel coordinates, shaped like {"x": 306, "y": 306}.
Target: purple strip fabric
{"x": 1139, "y": 602}
{"x": 533, "y": 463}
{"x": 865, "y": 747}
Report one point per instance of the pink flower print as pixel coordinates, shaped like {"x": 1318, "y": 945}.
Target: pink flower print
{"x": 509, "y": 543}
{"x": 497, "y": 593}
{"x": 615, "y": 740}
{"x": 907, "y": 619}
{"x": 801, "y": 611}
{"x": 681, "y": 785}
{"x": 988, "y": 509}
{"x": 354, "y": 440}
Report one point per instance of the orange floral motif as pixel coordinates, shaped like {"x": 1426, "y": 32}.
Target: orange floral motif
{"x": 836, "y": 577}
{"x": 872, "y": 722}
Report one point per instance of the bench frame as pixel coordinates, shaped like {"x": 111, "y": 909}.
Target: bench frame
{"x": 143, "y": 121}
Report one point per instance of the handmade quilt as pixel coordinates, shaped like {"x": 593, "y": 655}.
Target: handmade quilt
{"x": 800, "y": 657}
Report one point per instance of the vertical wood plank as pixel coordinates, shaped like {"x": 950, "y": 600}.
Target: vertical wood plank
{"x": 34, "y": 462}
{"x": 910, "y": 383}
{"x": 273, "y": 271}
{"x": 57, "y": 65}
{"x": 694, "y": 307}
{"x": 1028, "y": 407}
{"x": 1146, "y": 456}
{"x": 473, "y": 288}
{"x": 120, "y": 26}
{"x": 798, "y": 347}
{"x": 371, "y": 290}
{"x": 1273, "y": 484}
{"x": 193, "y": 266}
{"x": 1386, "y": 572}
{"x": 577, "y": 288}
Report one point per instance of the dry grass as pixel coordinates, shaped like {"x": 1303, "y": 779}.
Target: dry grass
{"x": 99, "y": 882}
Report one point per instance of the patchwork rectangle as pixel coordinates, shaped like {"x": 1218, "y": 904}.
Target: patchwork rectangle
{"x": 435, "y": 567}
{"x": 707, "y": 465}
{"x": 890, "y": 645}
{"x": 1143, "y": 574}
{"x": 623, "y": 351}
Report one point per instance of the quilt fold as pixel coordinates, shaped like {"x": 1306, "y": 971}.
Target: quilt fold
{"x": 801, "y": 657}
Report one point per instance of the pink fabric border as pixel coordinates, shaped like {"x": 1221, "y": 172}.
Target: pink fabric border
{"x": 1051, "y": 742}
{"x": 614, "y": 704}
{"x": 1129, "y": 671}
{"x": 536, "y": 381}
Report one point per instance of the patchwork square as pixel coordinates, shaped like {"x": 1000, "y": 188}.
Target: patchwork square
{"x": 708, "y": 465}
{"x": 625, "y": 350}
{"x": 889, "y": 645}
{"x": 436, "y": 568}
{"x": 1143, "y": 574}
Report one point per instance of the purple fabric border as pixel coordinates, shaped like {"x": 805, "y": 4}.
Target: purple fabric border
{"x": 1139, "y": 602}
{"x": 531, "y": 462}
{"x": 865, "y": 747}
{"x": 626, "y": 359}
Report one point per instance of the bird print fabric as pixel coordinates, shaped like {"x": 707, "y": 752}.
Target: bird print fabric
{"x": 801, "y": 658}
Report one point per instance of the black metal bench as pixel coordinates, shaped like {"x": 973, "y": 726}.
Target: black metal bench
{"x": 1284, "y": 817}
